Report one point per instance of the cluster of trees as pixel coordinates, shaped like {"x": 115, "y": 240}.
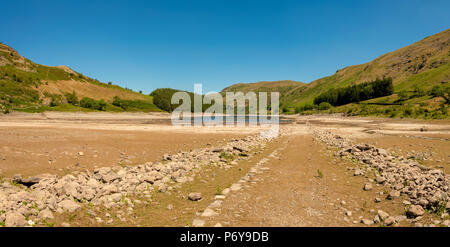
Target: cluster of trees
{"x": 85, "y": 102}
{"x": 323, "y": 106}
{"x": 131, "y": 105}
{"x": 356, "y": 93}
{"x": 90, "y": 103}
{"x": 162, "y": 98}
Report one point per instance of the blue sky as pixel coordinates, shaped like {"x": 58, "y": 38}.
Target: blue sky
{"x": 145, "y": 45}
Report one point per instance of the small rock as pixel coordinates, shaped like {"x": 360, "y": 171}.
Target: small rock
{"x": 46, "y": 214}
{"x": 406, "y": 202}
{"x": 368, "y": 186}
{"x": 400, "y": 218}
{"x": 216, "y": 204}
{"x": 208, "y": 213}
{"x": 15, "y": 220}
{"x": 226, "y": 191}
{"x": 367, "y": 222}
{"x": 195, "y": 196}
{"x": 393, "y": 194}
{"x": 415, "y": 211}
{"x": 389, "y": 221}
{"x": 198, "y": 223}
{"x": 69, "y": 205}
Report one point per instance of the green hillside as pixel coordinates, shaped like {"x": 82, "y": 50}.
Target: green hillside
{"x": 415, "y": 70}
{"x": 30, "y": 87}
{"x": 423, "y": 64}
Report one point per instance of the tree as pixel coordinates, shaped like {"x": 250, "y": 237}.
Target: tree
{"x": 87, "y": 102}
{"x": 72, "y": 98}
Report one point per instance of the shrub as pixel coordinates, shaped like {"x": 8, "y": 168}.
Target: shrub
{"x": 324, "y": 106}
{"x": 305, "y": 107}
{"x": 87, "y": 102}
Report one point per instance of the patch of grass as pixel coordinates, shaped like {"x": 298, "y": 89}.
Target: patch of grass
{"x": 48, "y": 224}
{"x": 319, "y": 173}
{"x": 440, "y": 208}
{"x": 226, "y": 156}
{"x": 219, "y": 190}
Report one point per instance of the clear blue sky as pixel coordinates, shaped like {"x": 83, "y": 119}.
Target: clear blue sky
{"x": 144, "y": 45}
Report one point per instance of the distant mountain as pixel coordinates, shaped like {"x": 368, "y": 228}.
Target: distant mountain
{"x": 27, "y": 86}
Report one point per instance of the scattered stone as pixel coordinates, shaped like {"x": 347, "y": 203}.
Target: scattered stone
{"x": 69, "y": 206}
{"x": 393, "y": 194}
{"x": 383, "y": 215}
{"x": 195, "y": 196}
{"x": 389, "y": 221}
{"x": 15, "y": 220}
{"x": 209, "y": 212}
{"x": 400, "y": 218}
{"x": 368, "y": 186}
{"x": 377, "y": 200}
{"x": 415, "y": 211}
{"x": 198, "y": 223}
{"x": 367, "y": 222}
{"x": 225, "y": 191}
{"x": 46, "y": 214}
{"x": 216, "y": 204}
{"x": 235, "y": 187}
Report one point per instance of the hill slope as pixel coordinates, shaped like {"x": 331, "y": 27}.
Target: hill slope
{"x": 28, "y": 86}
{"x": 423, "y": 64}
{"x": 286, "y": 88}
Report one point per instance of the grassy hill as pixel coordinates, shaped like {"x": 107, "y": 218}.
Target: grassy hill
{"x": 31, "y": 87}
{"x": 287, "y": 89}
{"x": 423, "y": 64}
{"x": 284, "y": 87}
{"x": 415, "y": 70}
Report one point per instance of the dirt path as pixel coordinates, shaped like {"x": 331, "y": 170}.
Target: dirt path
{"x": 290, "y": 191}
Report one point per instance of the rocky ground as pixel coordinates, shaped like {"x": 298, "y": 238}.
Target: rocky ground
{"x": 425, "y": 188}
{"x": 34, "y": 200}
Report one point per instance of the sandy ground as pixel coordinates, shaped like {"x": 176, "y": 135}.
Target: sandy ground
{"x": 58, "y": 143}
{"x": 288, "y": 193}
